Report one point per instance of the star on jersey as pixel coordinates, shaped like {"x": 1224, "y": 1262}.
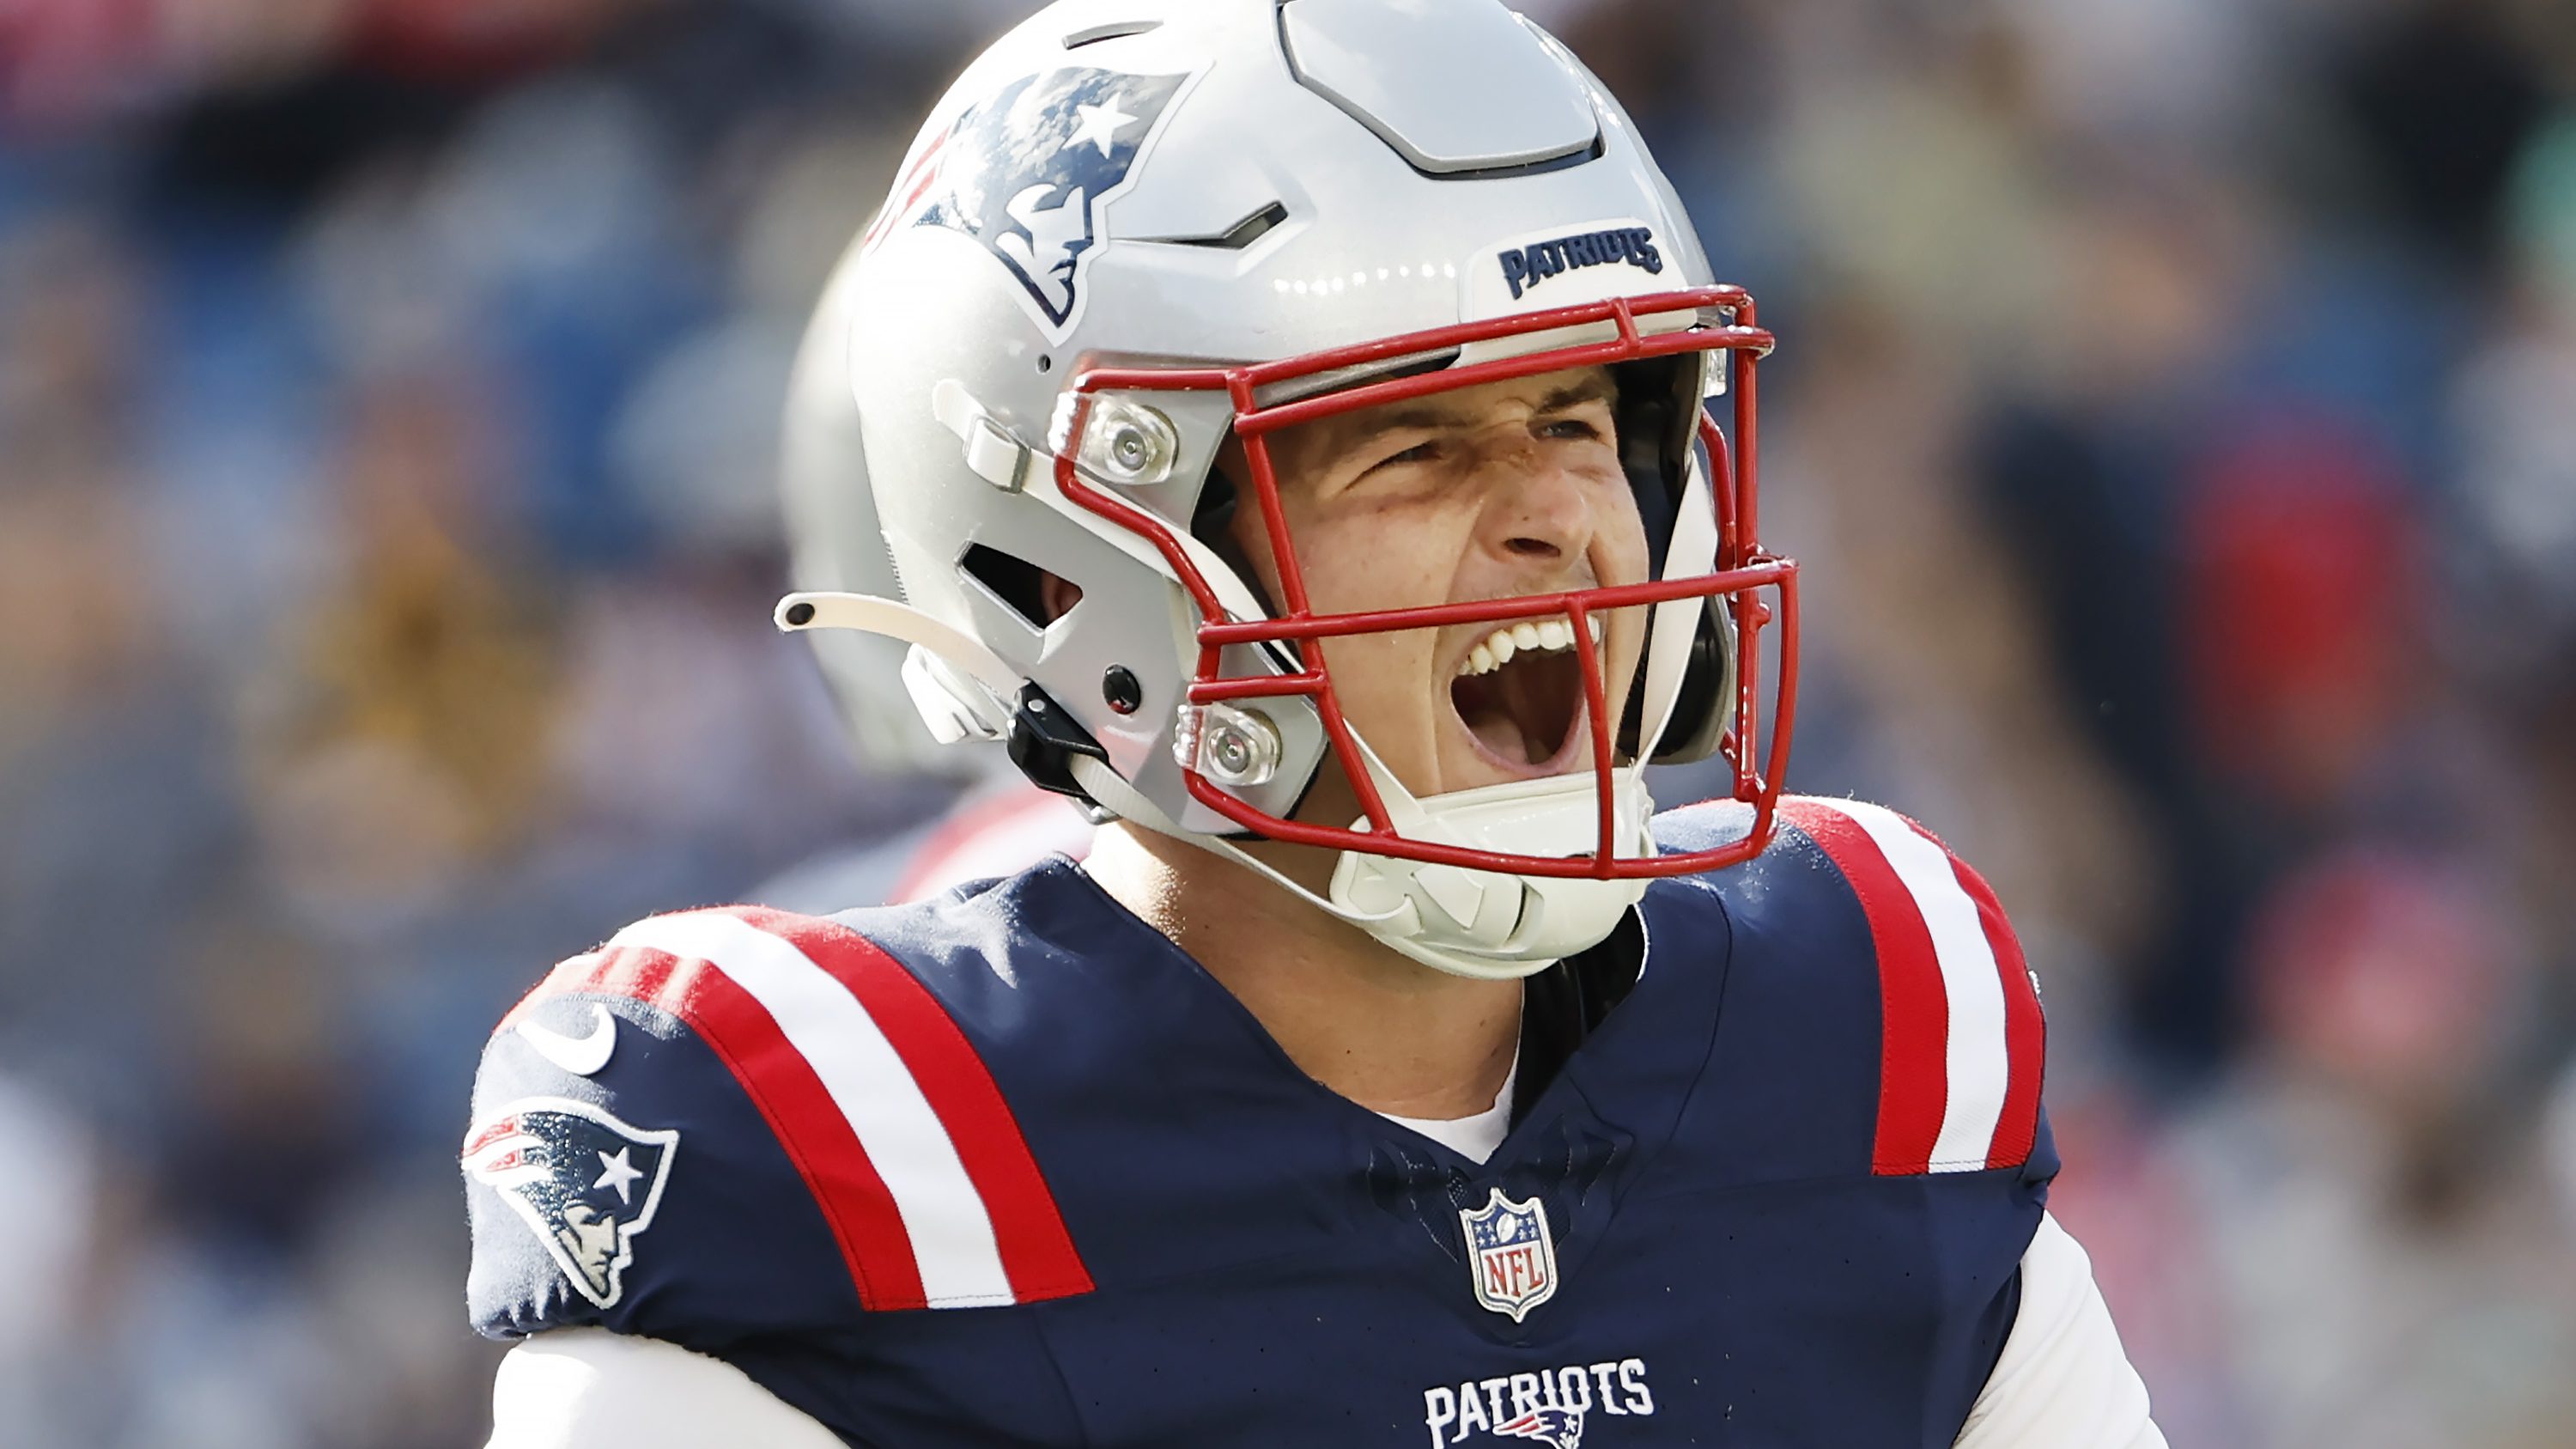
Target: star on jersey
{"x": 1028, "y": 170}
{"x": 618, "y": 1170}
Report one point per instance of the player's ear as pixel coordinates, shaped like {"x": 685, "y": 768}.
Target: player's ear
{"x": 1057, "y": 595}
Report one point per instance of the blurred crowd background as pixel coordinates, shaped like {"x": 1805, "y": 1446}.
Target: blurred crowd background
{"x": 2176, "y": 412}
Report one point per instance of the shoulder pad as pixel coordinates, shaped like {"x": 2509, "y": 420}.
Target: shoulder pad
{"x": 737, "y": 1120}
{"x": 1962, "y": 1040}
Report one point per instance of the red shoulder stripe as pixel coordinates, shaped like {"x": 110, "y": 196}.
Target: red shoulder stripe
{"x": 1037, "y": 1251}
{"x": 2025, "y": 1027}
{"x": 776, "y": 1077}
{"x": 1914, "y": 1007}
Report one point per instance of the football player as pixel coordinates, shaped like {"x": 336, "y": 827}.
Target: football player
{"x": 1288, "y": 428}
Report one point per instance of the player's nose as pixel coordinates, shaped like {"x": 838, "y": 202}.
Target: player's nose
{"x": 1537, "y": 511}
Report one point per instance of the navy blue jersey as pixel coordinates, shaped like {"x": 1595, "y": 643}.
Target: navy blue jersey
{"x": 1008, "y": 1167}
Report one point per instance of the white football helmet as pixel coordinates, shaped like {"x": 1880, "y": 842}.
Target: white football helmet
{"x": 1135, "y": 228}
{"x": 836, "y": 545}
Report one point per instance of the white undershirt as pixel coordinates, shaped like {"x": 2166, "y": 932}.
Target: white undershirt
{"x": 1473, "y": 1138}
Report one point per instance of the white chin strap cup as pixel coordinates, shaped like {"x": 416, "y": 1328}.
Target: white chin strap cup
{"x": 1491, "y": 924}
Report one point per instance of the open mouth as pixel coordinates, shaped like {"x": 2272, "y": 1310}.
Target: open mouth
{"x": 1520, "y": 691}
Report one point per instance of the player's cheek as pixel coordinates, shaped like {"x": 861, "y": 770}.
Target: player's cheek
{"x": 1621, "y": 555}
{"x": 1390, "y": 562}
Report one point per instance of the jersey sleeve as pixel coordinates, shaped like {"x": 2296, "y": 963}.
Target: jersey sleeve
{"x": 737, "y": 1122}
{"x": 1873, "y": 1106}
{"x": 624, "y": 1165}
{"x": 1956, "y": 1132}
{"x": 1963, "y": 1042}
{"x": 2063, "y": 1381}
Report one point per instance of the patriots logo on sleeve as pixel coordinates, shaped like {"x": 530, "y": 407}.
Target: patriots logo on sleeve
{"x": 1027, "y": 172}
{"x": 586, "y": 1183}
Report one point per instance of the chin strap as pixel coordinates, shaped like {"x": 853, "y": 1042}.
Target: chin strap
{"x": 968, "y": 656}
{"x": 1126, "y": 802}
{"x": 1459, "y": 901}
{"x": 1454, "y": 893}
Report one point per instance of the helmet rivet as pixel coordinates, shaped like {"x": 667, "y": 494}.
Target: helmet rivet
{"x": 1237, "y": 748}
{"x": 1128, "y": 442}
{"x": 1119, "y": 688}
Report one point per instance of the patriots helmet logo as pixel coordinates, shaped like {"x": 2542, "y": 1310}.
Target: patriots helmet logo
{"x": 1027, "y": 171}
{"x": 1557, "y": 1428}
{"x": 583, "y": 1181}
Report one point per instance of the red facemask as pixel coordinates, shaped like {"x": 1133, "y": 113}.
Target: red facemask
{"x": 1742, "y": 572}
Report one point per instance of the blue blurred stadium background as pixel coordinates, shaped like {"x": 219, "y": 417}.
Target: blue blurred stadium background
{"x": 2176, "y": 412}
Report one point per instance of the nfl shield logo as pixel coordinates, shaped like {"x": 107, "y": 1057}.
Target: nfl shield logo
{"x": 1511, "y": 1254}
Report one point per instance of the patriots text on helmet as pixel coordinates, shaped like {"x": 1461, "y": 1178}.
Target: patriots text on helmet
{"x": 1524, "y": 268}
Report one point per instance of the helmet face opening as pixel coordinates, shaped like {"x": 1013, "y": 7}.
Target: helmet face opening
{"x": 1225, "y": 744}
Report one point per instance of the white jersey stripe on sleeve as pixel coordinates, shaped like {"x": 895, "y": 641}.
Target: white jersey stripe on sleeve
{"x": 1978, "y": 1061}
{"x": 952, "y": 1235}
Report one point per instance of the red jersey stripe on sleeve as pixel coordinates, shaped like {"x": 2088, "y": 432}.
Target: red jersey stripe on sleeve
{"x": 1914, "y": 1008}
{"x": 2025, "y": 1025}
{"x": 809, "y": 1127}
{"x": 1029, "y": 1232}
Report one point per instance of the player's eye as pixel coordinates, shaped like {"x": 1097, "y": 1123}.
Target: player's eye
{"x": 1418, "y": 453}
{"x": 1570, "y": 429}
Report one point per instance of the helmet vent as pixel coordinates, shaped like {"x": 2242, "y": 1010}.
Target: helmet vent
{"x": 1234, "y": 238}
{"x": 1019, "y": 584}
{"x": 1094, "y": 34}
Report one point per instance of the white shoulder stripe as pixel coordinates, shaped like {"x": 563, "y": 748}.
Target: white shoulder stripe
{"x": 943, "y": 1214}
{"x": 1978, "y": 1060}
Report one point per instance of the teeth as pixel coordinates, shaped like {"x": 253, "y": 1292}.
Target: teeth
{"x": 1529, "y": 635}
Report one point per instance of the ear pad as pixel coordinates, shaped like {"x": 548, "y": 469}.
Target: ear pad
{"x": 1701, "y": 710}
{"x": 1657, "y": 415}
{"x": 1212, "y": 523}
{"x": 1658, "y": 418}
